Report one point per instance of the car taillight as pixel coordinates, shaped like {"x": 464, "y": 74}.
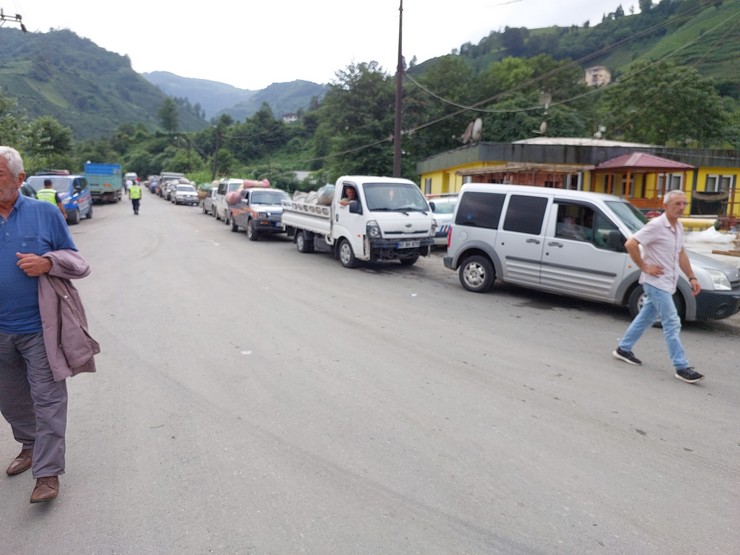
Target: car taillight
{"x": 449, "y": 236}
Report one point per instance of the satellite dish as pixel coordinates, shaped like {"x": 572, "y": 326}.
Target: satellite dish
{"x": 477, "y": 129}
{"x": 468, "y": 133}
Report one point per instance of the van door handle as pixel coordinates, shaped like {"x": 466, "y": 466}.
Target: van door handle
{"x": 535, "y": 241}
{"x": 555, "y": 244}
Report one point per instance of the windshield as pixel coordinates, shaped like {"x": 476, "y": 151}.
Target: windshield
{"x": 628, "y": 214}
{"x": 269, "y": 197}
{"x": 443, "y": 206}
{"x": 398, "y": 197}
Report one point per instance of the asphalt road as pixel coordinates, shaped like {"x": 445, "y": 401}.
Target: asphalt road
{"x": 250, "y": 399}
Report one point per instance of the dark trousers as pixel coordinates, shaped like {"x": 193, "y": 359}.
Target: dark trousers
{"x": 135, "y": 203}
{"x": 31, "y": 401}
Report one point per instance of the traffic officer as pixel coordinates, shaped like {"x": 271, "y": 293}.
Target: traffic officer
{"x": 48, "y": 194}
{"x": 134, "y": 193}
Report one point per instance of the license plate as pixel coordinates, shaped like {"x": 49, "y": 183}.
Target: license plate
{"x": 408, "y": 244}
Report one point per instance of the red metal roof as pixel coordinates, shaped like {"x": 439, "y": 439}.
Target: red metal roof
{"x": 642, "y": 161}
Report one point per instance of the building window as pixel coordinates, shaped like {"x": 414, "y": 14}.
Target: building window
{"x": 719, "y": 183}
{"x": 669, "y": 182}
{"x": 428, "y": 186}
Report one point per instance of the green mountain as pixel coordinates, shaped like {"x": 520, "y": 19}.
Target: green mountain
{"x": 94, "y": 91}
{"x": 700, "y": 33}
{"x": 218, "y": 98}
{"x": 283, "y": 98}
{"x": 213, "y": 97}
{"x": 83, "y": 86}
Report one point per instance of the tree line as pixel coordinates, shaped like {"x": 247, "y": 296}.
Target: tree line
{"x": 349, "y": 130}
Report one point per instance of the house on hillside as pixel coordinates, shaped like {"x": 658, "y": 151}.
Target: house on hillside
{"x": 598, "y": 76}
{"x": 642, "y": 173}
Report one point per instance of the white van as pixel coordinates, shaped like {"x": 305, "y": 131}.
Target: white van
{"x": 220, "y": 207}
{"x": 571, "y": 243}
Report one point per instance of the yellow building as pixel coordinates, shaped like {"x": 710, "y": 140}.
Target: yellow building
{"x": 639, "y": 172}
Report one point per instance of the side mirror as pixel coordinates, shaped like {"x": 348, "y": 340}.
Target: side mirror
{"x": 354, "y": 207}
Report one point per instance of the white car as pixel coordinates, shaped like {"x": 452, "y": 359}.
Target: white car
{"x": 443, "y": 207}
{"x": 184, "y": 194}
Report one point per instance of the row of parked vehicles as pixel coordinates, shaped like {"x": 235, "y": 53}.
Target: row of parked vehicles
{"x": 175, "y": 188}
{"x": 560, "y": 241}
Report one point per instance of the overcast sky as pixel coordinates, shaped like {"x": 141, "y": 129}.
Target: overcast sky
{"x": 252, "y": 44}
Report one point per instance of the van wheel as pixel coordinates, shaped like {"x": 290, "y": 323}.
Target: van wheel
{"x": 252, "y": 233}
{"x": 304, "y": 242}
{"x": 409, "y": 261}
{"x": 637, "y": 300}
{"x": 234, "y": 227}
{"x": 477, "y": 274}
{"x": 346, "y": 255}
{"x": 74, "y": 217}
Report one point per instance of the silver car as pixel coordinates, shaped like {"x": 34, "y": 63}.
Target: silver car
{"x": 184, "y": 194}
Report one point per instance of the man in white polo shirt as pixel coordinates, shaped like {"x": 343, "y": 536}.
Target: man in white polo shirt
{"x": 663, "y": 254}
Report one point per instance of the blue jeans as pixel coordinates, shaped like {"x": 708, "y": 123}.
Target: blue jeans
{"x": 659, "y": 304}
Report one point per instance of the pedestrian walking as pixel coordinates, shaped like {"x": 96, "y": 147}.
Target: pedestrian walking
{"x": 661, "y": 258}
{"x": 37, "y": 303}
{"x": 134, "y": 193}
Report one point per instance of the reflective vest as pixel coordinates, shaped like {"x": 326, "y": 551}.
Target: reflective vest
{"x": 134, "y": 192}
{"x": 48, "y": 195}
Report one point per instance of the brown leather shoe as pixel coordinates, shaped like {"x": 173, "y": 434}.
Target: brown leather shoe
{"x": 21, "y": 463}
{"x": 46, "y": 489}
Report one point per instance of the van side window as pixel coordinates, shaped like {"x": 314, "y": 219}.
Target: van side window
{"x": 480, "y": 209}
{"x": 525, "y": 214}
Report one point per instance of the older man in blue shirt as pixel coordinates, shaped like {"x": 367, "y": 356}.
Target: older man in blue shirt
{"x": 33, "y": 403}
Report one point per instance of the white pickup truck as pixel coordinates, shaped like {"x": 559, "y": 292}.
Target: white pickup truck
{"x": 385, "y": 219}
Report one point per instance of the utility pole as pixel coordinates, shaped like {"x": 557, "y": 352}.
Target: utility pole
{"x": 399, "y": 93}
{"x": 14, "y": 18}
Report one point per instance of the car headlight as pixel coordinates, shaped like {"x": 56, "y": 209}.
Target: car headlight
{"x": 719, "y": 280}
{"x": 435, "y": 225}
{"x": 373, "y": 230}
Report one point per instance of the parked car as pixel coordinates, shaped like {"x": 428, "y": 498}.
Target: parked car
{"x": 72, "y": 189}
{"x": 184, "y": 193}
{"x": 443, "y": 207}
{"x": 259, "y": 211}
{"x": 207, "y": 204}
{"x": 570, "y": 243}
{"x": 27, "y": 190}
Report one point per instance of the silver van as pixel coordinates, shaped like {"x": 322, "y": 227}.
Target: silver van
{"x": 570, "y": 243}
{"x": 220, "y": 206}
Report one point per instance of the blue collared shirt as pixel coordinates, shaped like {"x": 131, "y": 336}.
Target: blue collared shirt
{"x": 34, "y": 227}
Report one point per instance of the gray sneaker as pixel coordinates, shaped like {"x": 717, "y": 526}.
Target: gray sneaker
{"x": 688, "y": 375}
{"x": 627, "y": 356}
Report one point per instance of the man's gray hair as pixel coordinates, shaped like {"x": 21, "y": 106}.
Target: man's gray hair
{"x": 15, "y": 162}
{"x": 670, "y": 194}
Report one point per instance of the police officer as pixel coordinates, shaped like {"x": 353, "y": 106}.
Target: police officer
{"x": 48, "y": 194}
{"x": 134, "y": 193}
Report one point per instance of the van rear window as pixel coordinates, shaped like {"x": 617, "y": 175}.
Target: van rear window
{"x": 525, "y": 214}
{"x": 480, "y": 209}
